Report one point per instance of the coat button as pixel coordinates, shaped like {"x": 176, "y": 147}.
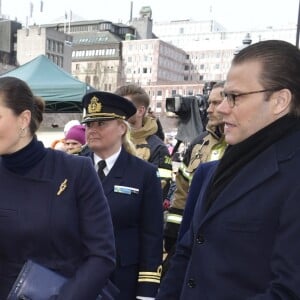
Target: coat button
{"x": 200, "y": 239}
{"x": 191, "y": 283}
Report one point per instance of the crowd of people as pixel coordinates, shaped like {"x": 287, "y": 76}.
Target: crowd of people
{"x": 91, "y": 206}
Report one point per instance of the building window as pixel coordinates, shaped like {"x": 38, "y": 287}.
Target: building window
{"x": 77, "y": 67}
{"x": 144, "y": 70}
{"x": 55, "y": 46}
{"x": 61, "y": 61}
{"x": 173, "y": 92}
{"x": 88, "y": 79}
{"x": 159, "y": 93}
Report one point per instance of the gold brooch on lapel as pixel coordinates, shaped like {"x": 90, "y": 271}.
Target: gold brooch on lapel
{"x": 62, "y": 187}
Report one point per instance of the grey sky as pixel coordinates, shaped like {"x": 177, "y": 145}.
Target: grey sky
{"x": 233, "y": 14}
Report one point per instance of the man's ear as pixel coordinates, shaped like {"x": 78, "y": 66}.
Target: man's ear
{"x": 283, "y": 99}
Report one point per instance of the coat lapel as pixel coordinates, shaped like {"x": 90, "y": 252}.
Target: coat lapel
{"x": 116, "y": 174}
{"x": 249, "y": 175}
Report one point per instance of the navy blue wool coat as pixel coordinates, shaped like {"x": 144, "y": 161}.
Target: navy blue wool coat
{"x": 58, "y": 216}
{"x": 247, "y": 245}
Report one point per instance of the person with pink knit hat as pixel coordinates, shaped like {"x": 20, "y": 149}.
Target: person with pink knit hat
{"x": 75, "y": 139}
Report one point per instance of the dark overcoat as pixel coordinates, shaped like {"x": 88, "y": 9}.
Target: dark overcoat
{"x": 58, "y": 216}
{"x": 247, "y": 245}
{"x": 134, "y": 194}
{"x": 202, "y": 172}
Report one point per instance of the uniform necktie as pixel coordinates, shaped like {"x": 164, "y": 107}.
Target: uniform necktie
{"x": 101, "y": 166}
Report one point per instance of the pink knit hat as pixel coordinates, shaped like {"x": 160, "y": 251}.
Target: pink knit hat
{"x": 76, "y": 133}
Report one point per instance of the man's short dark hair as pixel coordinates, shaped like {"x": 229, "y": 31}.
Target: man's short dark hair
{"x": 280, "y": 62}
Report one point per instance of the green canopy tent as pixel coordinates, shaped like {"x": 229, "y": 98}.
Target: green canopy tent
{"x": 60, "y": 90}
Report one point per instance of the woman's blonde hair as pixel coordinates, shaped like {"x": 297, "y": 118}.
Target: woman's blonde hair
{"x": 126, "y": 139}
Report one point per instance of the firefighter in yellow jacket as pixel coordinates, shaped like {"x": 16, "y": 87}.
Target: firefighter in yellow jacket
{"x": 144, "y": 136}
{"x": 208, "y": 146}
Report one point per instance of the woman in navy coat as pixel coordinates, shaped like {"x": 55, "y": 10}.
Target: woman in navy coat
{"x": 52, "y": 207}
{"x": 133, "y": 189}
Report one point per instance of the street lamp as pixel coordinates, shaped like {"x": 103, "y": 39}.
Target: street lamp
{"x": 246, "y": 42}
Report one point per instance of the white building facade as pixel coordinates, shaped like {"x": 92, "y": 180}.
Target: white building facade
{"x": 210, "y": 47}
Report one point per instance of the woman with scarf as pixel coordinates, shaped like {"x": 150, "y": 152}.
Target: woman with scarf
{"x": 52, "y": 209}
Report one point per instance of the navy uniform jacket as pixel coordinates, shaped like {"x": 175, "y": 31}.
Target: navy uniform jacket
{"x": 133, "y": 190}
{"x": 247, "y": 245}
{"x": 57, "y": 215}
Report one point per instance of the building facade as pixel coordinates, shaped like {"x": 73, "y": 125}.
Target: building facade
{"x": 96, "y": 60}
{"x": 8, "y": 44}
{"x": 37, "y": 40}
{"x": 151, "y": 61}
{"x": 97, "y": 51}
{"x": 210, "y": 47}
{"x": 165, "y": 58}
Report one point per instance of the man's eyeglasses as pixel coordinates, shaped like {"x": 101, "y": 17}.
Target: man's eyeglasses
{"x": 231, "y": 98}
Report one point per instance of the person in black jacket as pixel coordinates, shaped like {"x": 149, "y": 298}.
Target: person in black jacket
{"x": 246, "y": 215}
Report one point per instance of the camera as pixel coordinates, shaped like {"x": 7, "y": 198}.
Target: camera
{"x": 182, "y": 105}
{"x": 192, "y": 112}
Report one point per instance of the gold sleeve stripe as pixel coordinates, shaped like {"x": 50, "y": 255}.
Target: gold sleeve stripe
{"x": 149, "y": 280}
{"x": 150, "y": 276}
{"x": 150, "y": 273}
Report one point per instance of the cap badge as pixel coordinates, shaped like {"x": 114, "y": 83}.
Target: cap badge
{"x": 95, "y": 106}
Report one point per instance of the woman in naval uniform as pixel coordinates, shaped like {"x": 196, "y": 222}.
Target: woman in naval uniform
{"x": 133, "y": 190}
